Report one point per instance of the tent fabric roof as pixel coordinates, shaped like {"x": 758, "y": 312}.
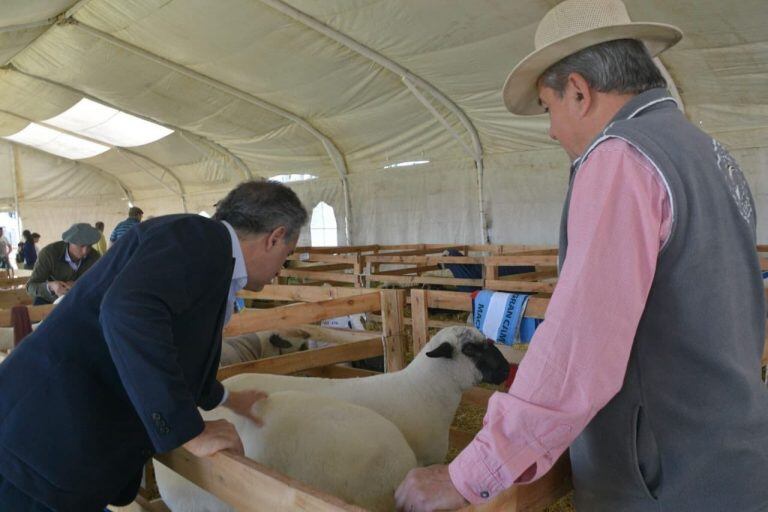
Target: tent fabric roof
{"x": 251, "y": 90}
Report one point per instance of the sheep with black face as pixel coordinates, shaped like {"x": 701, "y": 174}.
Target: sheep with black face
{"x": 259, "y": 345}
{"x": 420, "y": 400}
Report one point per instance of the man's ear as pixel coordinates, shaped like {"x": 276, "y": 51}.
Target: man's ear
{"x": 275, "y": 236}
{"x": 578, "y": 93}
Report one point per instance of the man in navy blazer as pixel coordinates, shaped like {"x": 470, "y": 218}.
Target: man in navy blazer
{"x": 119, "y": 368}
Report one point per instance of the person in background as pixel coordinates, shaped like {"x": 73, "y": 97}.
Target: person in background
{"x": 28, "y": 251}
{"x": 101, "y": 245}
{"x": 5, "y": 250}
{"x": 20, "y": 255}
{"x": 36, "y": 240}
{"x": 134, "y": 217}
{"x": 61, "y": 263}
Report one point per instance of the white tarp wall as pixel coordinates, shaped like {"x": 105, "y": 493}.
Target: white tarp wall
{"x": 252, "y": 88}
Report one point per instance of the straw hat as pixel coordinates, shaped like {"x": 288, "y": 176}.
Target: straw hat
{"x": 570, "y": 27}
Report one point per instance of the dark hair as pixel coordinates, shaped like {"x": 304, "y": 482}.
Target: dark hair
{"x": 35, "y": 235}
{"x": 261, "y": 207}
{"x": 623, "y": 66}
{"x": 99, "y": 225}
{"x": 134, "y": 212}
{"x": 27, "y": 235}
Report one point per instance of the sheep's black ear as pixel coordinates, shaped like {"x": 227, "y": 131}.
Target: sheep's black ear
{"x": 276, "y": 341}
{"x": 444, "y": 350}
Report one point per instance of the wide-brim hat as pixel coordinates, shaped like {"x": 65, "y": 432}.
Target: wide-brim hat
{"x": 81, "y": 233}
{"x": 572, "y": 26}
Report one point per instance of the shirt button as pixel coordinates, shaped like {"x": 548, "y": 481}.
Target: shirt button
{"x": 485, "y": 494}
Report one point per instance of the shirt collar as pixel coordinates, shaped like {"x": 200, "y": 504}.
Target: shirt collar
{"x": 240, "y": 273}
{"x": 68, "y": 259}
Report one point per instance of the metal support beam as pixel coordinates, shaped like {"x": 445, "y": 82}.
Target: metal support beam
{"x": 27, "y": 26}
{"x": 330, "y": 147}
{"x": 410, "y": 79}
{"x": 16, "y": 167}
{"x": 14, "y": 178}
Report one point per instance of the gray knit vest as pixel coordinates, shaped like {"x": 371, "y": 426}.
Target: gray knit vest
{"x": 689, "y": 429}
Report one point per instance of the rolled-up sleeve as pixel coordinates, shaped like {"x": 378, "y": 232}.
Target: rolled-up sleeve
{"x": 619, "y": 217}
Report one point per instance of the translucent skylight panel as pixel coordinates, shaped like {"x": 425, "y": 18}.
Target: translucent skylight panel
{"x": 286, "y": 178}
{"x": 108, "y": 125}
{"x": 407, "y": 164}
{"x": 57, "y": 143}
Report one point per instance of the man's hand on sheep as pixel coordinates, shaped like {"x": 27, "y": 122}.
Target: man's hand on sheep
{"x": 242, "y": 402}
{"x": 216, "y": 436}
{"x": 428, "y": 489}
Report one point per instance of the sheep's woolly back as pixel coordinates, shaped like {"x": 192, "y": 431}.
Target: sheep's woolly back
{"x": 340, "y": 448}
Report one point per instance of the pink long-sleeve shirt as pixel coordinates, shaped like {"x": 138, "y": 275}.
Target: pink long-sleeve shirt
{"x": 619, "y": 219}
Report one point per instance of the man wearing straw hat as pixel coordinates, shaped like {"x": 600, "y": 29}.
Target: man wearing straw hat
{"x": 648, "y": 364}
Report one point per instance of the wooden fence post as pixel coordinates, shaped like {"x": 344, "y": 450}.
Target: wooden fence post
{"x": 420, "y": 319}
{"x": 393, "y": 327}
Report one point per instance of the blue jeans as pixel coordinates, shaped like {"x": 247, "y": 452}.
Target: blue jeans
{"x": 12, "y": 499}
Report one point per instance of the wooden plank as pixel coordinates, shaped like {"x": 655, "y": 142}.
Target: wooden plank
{"x": 335, "y": 250}
{"x": 393, "y": 326}
{"x": 518, "y": 261}
{"x": 300, "y": 293}
{"x": 320, "y": 276}
{"x": 519, "y": 286}
{"x": 536, "y": 307}
{"x": 424, "y": 260}
{"x": 415, "y": 252}
{"x": 151, "y": 506}
{"x": 324, "y": 268}
{"x": 450, "y": 300}
{"x": 13, "y": 282}
{"x": 249, "y": 486}
{"x": 764, "y": 359}
{"x": 550, "y": 251}
{"x": 533, "y": 497}
{"x": 10, "y": 298}
{"x": 419, "y": 318}
{"x": 404, "y": 271}
{"x": 411, "y": 280}
{"x": 298, "y": 361}
{"x": 36, "y": 314}
{"x": 253, "y": 320}
{"x": 324, "y": 258}
{"x": 532, "y": 276}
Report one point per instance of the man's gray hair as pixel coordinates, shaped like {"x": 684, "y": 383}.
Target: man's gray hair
{"x": 623, "y": 66}
{"x": 256, "y": 207}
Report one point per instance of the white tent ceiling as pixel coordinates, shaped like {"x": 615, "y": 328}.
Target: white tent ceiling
{"x": 339, "y": 89}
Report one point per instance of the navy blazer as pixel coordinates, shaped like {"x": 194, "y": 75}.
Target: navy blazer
{"x": 117, "y": 370}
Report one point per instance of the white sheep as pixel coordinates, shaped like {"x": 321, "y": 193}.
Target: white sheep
{"x": 421, "y": 399}
{"x": 258, "y": 345}
{"x": 343, "y": 449}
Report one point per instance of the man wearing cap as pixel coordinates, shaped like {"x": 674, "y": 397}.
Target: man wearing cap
{"x": 61, "y": 263}
{"x": 134, "y": 217}
{"x": 648, "y": 364}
